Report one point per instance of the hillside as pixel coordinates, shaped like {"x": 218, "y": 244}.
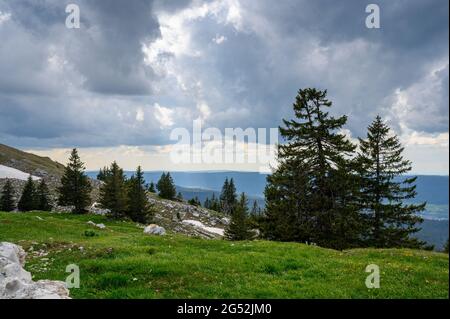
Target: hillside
{"x": 17, "y": 165}
{"x": 121, "y": 262}
{"x": 29, "y": 163}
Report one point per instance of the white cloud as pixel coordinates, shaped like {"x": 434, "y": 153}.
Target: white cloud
{"x": 4, "y": 16}
{"x": 164, "y": 115}
{"x": 424, "y": 104}
{"x": 428, "y": 139}
{"x": 177, "y": 32}
{"x": 219, "y": 39}
{"x": 204, "y": 110}
{"x": 140, "y": 116}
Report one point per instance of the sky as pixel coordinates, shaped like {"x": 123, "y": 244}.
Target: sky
{"x": 134, "y": 71}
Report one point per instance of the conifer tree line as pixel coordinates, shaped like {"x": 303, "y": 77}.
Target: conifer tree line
{"x": 329, "y": 191}
{"x": 166, "y": 187}
{"x": 35, "y": 196}
{"x": 125, "y": 197}
{"x": 7, "y": 202}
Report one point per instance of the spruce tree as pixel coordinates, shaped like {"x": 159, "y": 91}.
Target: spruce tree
{"x": 215, "y": 203}
{"x": 195, "y": 201}
{"x": 223, "y": 197}
{"x": 288, "y": 213}
{"x": 113, "y": 193}
{"x": 7, "y": 203}
{"x": 386, "y": 192}
{"x": 138, "y": 205}
{"x": 238, "y": 228}
{"x": 228, "y": 197}
{"x": 75, "y": 186}
{"x": 166, "y": 186}
{"x": 103, "y": 173}
{"x": 304, "y": 196}
{"x": 207, "y": 203}
{"x": 43, "y": 197}
{"x": 27, "y": 201}
{"x": 151, "y": 188}
{"x": 255, "y": 209}
{"x": 255, "y": 215}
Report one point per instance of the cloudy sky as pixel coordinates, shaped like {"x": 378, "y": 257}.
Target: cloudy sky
{"x": 116, "y": 87}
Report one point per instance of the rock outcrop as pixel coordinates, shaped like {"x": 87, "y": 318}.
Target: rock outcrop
{"x": 182, "y": 218}
{"x": 17, "y": 283}
{"x": 154, "y": 230}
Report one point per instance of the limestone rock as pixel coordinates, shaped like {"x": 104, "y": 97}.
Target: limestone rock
{"x": 154, "y": 229}
{"x": 17, "y": 283}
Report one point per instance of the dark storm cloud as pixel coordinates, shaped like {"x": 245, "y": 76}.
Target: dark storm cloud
{"x": 86, "y": 87}
{"x": 106, "y": 51}
{"x": 52, "y": 78}
{"x": 361, "y": 68}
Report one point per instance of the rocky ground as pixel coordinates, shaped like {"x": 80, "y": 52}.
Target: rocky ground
{"x": 190, "y": 220}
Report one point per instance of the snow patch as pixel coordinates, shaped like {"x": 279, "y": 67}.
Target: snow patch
{"x": 9, "y": 172}
{"x": 196, "y": 223}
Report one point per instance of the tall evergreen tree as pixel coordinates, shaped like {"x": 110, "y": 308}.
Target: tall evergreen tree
{"x": 255, "y": 216}
{"x": 43, "y": 197}
{"x": 228, "y": 197}
{"x": 385, "y": 192}
{"x": 103, "y": 173}
{"x": 212, "y": 203}
{"x": 113, "y": 193}
{"x": 151, "y": 188}
{"x": 166, "y": 186}
{"x": 7, "y": 203}
{"x": 207, "y": 203}
{"x": 75, "y": 187}
{"x": 138, "y": 205}
{"x": 27, "y": 201}
{"x": 255, "y": 209}
{"x": 215, "y": 203}
{"x": 238, "y": 228}
{"x": 304, "y": 196}
{"x": 195, "y": 201}
{"x": 288, "y": 214}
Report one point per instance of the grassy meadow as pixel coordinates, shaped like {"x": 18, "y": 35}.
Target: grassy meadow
{"x": 121, "y": 262}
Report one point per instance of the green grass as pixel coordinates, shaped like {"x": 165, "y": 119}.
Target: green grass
{"x": 122, "y": 262}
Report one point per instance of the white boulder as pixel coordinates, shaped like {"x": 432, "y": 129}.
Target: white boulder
{"x": 100, "y": 226}
{"x": 16, "y": 282}
{"x": 97, "y": 209}
{"x": 154, "y": 229}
